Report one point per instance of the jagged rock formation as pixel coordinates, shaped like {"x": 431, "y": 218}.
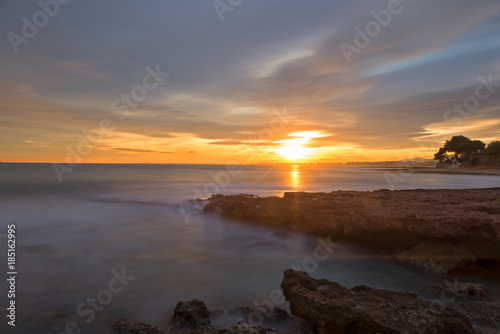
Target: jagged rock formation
{"x": 329, "y": 308}
{"x": 334, "y": 309}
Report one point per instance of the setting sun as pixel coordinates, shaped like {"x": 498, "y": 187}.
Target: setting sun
{"x": 295, "y": 149}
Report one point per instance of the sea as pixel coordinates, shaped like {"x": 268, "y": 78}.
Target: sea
{"x": 110, "y": 241}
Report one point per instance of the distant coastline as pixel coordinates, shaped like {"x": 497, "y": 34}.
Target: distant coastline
{"x": 456, "y": 171}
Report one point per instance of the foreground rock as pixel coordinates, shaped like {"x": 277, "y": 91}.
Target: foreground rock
{"x": 469, "y": 219}
{"x": 191, "y": 317}
{"x": 333, "y": 309}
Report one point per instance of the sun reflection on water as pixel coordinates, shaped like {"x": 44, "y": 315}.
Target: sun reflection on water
{"x": 295, "y": 176}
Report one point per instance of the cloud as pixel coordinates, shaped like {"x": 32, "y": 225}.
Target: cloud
{"x": 35, "y": 142}
{"x": 474, "y": 127}
{"x": 227, "y": 80}
{"x": 238, "y": 142}
{"x": 135, "y": 150}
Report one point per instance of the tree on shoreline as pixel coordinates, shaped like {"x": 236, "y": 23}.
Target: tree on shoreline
{"x": 459, "y": 145}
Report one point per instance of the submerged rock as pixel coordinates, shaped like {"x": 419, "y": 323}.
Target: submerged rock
{"x": 437, "y": 257}
{"x": 334, "y": 309}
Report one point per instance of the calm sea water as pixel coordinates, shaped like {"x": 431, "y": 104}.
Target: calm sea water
{"x": 141, "y": 219}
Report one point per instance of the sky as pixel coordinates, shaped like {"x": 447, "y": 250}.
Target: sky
{"x": 246, "y": 81}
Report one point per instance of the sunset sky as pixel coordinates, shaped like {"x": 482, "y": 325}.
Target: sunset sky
{"x": 262, "y": 81}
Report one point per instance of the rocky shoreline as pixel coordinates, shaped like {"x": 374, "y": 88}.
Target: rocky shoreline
{"x": 328, "y": 308}
{"x": 438, "y": 230}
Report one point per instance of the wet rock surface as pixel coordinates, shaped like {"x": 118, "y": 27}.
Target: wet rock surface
{"x": 332, "y": 308}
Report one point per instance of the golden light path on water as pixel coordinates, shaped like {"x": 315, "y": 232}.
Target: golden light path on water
{"x": 295, "y": 176}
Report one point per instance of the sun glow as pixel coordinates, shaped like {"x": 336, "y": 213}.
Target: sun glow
{"x": 295, "y": 149}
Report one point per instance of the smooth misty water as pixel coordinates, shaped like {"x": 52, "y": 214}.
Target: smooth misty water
{"x": 71, "y": 235}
